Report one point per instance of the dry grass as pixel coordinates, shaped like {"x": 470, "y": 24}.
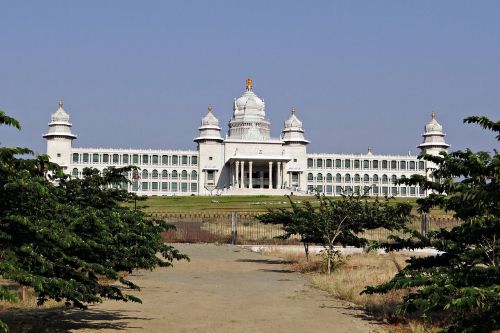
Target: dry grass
{"x": 358, "y": 271}
{"x": 29, "y": 302}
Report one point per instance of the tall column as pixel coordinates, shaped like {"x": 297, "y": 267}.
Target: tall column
{"x": 242, "y": 183}
{"x": 280, "y": 175}
{"x": 270, "y": 174}
{"x": 250, "y": 185}
{"x": 261, "y": 179}
{"x": 236, "y": 181}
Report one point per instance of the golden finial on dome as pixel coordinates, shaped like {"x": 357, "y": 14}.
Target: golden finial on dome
{"x": 60, "y": 103}
{"x": 433, "y": 115}
{"x": 210, "y": 108}
{"x": 249, "y": 84}
{"x": 293, "y": 110}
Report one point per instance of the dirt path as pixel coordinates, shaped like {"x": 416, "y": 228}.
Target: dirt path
{"x": 222, "y": 289}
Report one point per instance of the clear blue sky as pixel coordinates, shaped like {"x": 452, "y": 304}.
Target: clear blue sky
{"x": 360, "y": 73}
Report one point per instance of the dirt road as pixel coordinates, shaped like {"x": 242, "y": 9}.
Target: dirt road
{"x": 222, "y": 289}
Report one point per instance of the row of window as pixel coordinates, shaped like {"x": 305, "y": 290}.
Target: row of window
{"x": 364, "y": 164}
{"x": 403, "y": 191}
{"x": 348, "y": 178}
{"x": 164, "y": 186}
{"x": 135, "y": 159}
{"x": 145, "y": 174}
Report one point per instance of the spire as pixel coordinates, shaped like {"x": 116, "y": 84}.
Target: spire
{"x": 209, "y": 108}
{"x": 293, "y": 110}
{"x": 369, "y": 149}
{"x": 60, "y": 104}
{"x": 249, "y": 84}
{"x": 433, "y": 115}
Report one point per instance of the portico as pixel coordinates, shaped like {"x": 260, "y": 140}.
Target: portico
{"x": 262, "y": 172}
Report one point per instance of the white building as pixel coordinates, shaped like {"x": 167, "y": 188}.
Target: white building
{"x": 247, "y": 160}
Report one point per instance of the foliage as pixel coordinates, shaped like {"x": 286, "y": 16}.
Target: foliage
{"x": 335, "y": 222}
{"x": 62, "y": 236}
{"x": 463, "y": 281}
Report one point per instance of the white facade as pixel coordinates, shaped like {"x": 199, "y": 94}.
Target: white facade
{"x": 248, "y": 160}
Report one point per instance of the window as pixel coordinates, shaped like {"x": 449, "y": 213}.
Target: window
{"x": 319, "y": 188}
{"x": 319, "y": 177}
{"x": 116, "y": 158}
{"x": 194, "y": 187}
{"x": 357, "y": 178}
{"x": 75, "y": 157}
{"x": 144, "y": 186}
{"x": 412, "y": 191}
{"x": 375, "y": 190}
{"x": 310, "y": 177}
{"x": 184, "y": 187}
{"x": 164, "y": 174}
{"x": 394, "y": 165}
{"x": 421, "y": 165}
{"x": 412, "y": 165}
{"x": 385, "y": 180}
{"x": 144, "y": 174}
{"x": 155, "y": 174}
{"x": 348, "y": 190}
{"x": 366, "y": 164}
{"x": 329, "y": 178}
{"x": 338, "y": 178}
{"x": 310, "y": 188}
{"x": 375, "y": 164}
{"x": 74, "y": 173}
{"x": 375, "y": 179}
{"x": 338, "y": 189}
{"x": 347, "y": 178}
{"x": 184, "y": 174}
{"x": 85, "y": 158}
{"x": 135, "y": 159}
{"x": 402, "y": 165}
{"x": 175, "y": 160}
{"x": 184, "y": 160}
{"x": 347, "y": 164}
{"x": 319, "y": 163}
{"x": 384, "y": 164}
{"x": 194, "y": 161}
{"x": 164, "y": 159}
{"x": 154, "y": 186}
{"x": 194, "y": 175}
{"x": 174, "y": 174}
{"x": 125, "y": 159}
{"x": 210, "y": 175}
{"x": 174, "y": 187}
{"x": 329, "y": 164}
{"x": 58, "y": 154}
{"x": 105, "y": 158}
{"x": 366, "y": 178}
{"x": 309, "y": 162}
{"x": 356, "y": 164}
{"x": 210, "y": 158}
{"x": 329, "y": 189}
{"x": 164, "y": 186}
{"x": 403, "y": 191}
{"x": 394, "y": 179}
{"x": 385, "y": 190}
{"x": 135, "y": 186}
{"x": 145, "y": 159}
{"x": 338, "y": 163}
{"x": 155, "y": 159}
{"x": 95, "y": 158}
{"x": 394, "y": 190}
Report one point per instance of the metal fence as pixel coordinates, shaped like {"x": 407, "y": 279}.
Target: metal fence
{"x": 244, "y": 228}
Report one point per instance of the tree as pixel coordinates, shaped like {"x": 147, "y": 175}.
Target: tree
{"x": 463, "y": 280}
{"x": 62, "y": 236}
{"x": 338, "y": 221}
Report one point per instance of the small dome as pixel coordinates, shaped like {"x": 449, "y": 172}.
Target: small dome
{"x": 433, "y": 125}
{"x": 60, "y": 115}
{"x": 210, "y": 119}
{"x": 293, "y": 121}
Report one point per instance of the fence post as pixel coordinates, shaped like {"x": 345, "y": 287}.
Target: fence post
{"x": 424, "y": 225}
{"x": 234, "y": 229}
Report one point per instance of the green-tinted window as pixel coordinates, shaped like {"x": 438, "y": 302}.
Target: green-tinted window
{"x": 116, "y": 158}
{"x": 319, "y": 177}
{"x": 412, "y": 165}
{"x": 145, "y": 159}
{"x": 375, "y": 164}
{"x": 164, "y": 186}
{"x": 194, "y": 161}
{"x": 403, "y": 191}
{"x": 164, "y": 159}
{"x": 75, "y": 157}
{"x": 309, "y": 162}
{"x": 95, "y": 158}
{"x": 154, "y": 186}
{"x": 366, "y": 178}
{"x": 394, "y": 190}
{"x": 164, "y": 174}
{"x": 155, "y": 174}
{"x": 412, "y": 191}
{"x": 194, "y": 187}
{"x": 385, "y": 190}
{"x": 184, "y": 187}
{"x": 310, "y": 177}
{"x": 174, "y": 174}
{"x": 357, "y": 178}
{"x": 144, "y": 186}
{"x": 356, "y": 164}
{"x": 328, "y": 163}
{"x": 105, "y": 158}
{"x": 194, "y": 175}
{"x": 347, "y": 164}
{"x": 394, "y": 179}
{"x": 125, "y": 159}
{"x": 135, "y": 159}
{"x": 329, "y": 189}
{"x": 74, "y": 173}
{"x": 135, "y": 186}
{"x": 338, "y": 178}
{"x": 319, "y": 163}
{"x": 184, "y": 174}
{"x": 175, "y": 160}
{"x": 329, "y": 177}
{"x": 85, "y": 158}
{"x": 402, "y": 165}
{"x": 421, "y": 165}
{"x": 319, "y": 188}
{"x": 366, "y": 164}
{"x": 347, "y": 178}
{"x": 155, "y": 159}
{"x": 338, "y": 189}
{"x": 184, "y": 160}
{"x": 338, "y": 163}
{"x": 375, "y": 190}
{"x": 394, "y": 165}
{"x": 375, "y": 179}
{"x": 384, "y": 164}
{"x": 144, "y": 174}
{"x": 173, "y": 187}
{"x": 385, "y": 180}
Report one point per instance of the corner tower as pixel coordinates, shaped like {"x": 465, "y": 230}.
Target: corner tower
{"x": 59, "y": 138}
{"x": 433, "y": 142}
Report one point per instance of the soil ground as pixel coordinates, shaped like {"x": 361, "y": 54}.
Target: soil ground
{"x": 223, "y": 289}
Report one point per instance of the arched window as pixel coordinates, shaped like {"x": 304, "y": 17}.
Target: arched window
{"x": 394, "y": 179}
{"x": 319, "y": 163}
{"x": 366, "y": 164}
{"x": 175, "y": 160}
{"x": 347, "y": 164}
{"x": 375, "y": 179}
{"x": 310, "y": 177}
{"x": 194, "y": 175}
{"x": 319, "y": 177}
{"x": 357, "y": 178}
{"x": 329, "y": 178}
{"x": 385, "y": 180}
{"x": 184, "y": 174}
{"x": 74, "y": 173}
{"x": 347, "y": 178}
{"x": 75, "y": 157}
{"x": 356, "y": 164}
{"x": 174, "y": 174}
{"x": 164, "y": 174}
{"x": 338, "y": 178}
{"x": 366, "y": 178}
{"x": 309, "y": 162}
{"x": 338, "y": 163}
{"x": 155, "y": 173}
{"x": 144, "y": 174}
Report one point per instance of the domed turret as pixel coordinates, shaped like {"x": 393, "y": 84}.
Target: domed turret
{"x": 249, "y": 117}
{"x": 209, "y": 129}
{"x": 433, "y": 142}
{"x": 292, "y": 131}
